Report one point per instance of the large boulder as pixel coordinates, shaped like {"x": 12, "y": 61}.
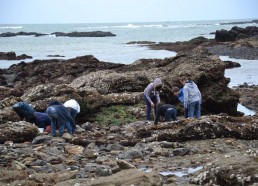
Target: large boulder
{"x": 17, "y": 132}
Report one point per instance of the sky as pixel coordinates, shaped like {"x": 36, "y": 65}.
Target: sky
{"x": 117, "y": 11}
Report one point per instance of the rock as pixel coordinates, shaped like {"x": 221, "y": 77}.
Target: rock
{"x": 248, "y": 96}
{"x": 125, "y": 165}
{"x": 12, "y": 56}
{"x": 126, "y": 177}
{"x": 74, "y": 150}
{"x": 17, "y": 132}
{"x": 181, "y": 151}
{"x": 83, "y": 34}
{"x": 41, "y": 139}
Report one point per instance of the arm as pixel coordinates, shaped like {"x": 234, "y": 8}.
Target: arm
{"x": 147, "y": 92}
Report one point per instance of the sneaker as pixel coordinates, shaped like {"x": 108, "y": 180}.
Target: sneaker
{"x": 148, "y": 122}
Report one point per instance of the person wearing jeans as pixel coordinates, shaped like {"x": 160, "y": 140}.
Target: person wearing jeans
{"x": 192, "y": 98}
{"x": 151, "y": 97}
{"x": 60, "y": 117}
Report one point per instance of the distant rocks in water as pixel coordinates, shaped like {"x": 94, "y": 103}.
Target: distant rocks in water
{"x": 140, "y": 42}
{"x": 55, "y": 56}
{"x": 231, "y": 64}
{"x": 12, "y": 56}
{"x": 236, "y": 33}
{"x": 240, "y": 43}
{"x": 10, "y": 34}
{"x": 240, "y": 22}
{"x": 84, "y": 34}
{"x": 60, "y": 34}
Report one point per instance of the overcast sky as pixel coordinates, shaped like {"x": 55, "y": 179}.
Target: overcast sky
{"x": 109, "y": 11}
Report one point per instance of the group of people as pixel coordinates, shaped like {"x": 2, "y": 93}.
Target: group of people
{"x": 190, "y": 97}
{"x": 62, "y": 116}
{"x": 57, "y": 116}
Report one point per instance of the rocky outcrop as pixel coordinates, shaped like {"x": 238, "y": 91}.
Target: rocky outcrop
{"x": 97, "y": 84}
{"x": 10, "y": 34}
{"x": 235, "y": 33}
{"x": 240, "y": 22}
{"x": 12, "y": 56}
{"x": 17, "y": 132}
{"x": 248, "y": 96}
{"x": 240, "y": 43}
{"x": 84, "y": 34}
{"x": 60, "y": 34}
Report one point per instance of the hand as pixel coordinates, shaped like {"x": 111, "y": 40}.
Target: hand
{"x": 152, "y": 104}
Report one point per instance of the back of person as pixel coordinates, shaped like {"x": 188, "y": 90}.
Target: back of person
{"x": 192, "y": 92}
{"x": 42, "y": 119}
{"x": 24, "y": 110}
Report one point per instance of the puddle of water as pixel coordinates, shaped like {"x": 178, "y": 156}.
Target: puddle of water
{"x": 182, "y": 172}
{"x": 245, "y": 110}
{"x": 144, "y": 169}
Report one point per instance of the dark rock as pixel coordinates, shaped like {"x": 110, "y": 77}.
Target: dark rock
{"x": 55, "y": 56}
{"x": 180, "y": 151}
{"x": 235, "y": 33}
{"x": 9, "y": 34}
{"x": 41, "y": 139}
{"x": 12, "y": 56}
{"x": 231, "y": 64}
{"x": 84, "y": 34}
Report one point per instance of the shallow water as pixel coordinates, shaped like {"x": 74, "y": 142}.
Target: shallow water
{"x": 181, "y": 173}
{"x": 247, "y": 73}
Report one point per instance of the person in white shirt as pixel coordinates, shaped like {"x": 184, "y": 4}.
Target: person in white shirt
{"x": 73, "y": 106}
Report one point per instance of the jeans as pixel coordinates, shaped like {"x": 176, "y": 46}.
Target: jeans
{"x": 194, "y": 109}
{"x": 170, "y": 114}
{"x": 73, "y": 113}
{"x": 55, "y": 120}
{"x": 148, "y": 104}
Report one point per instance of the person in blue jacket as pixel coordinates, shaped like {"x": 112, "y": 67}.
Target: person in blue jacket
{"x": 60, "y": 118}
{"x": 25, "y": 111}
{"x": 180, "y": 95}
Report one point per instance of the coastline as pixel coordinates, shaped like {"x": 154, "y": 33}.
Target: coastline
{"x": 219, "y": 145}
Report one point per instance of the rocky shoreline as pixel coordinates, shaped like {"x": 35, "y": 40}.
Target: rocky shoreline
{"x": 112, "y": 145}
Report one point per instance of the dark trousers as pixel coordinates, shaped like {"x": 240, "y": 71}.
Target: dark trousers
{"x": 170, "y": 114}
{"x": 148, "y": 104}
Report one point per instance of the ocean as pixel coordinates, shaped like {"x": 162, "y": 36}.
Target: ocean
{"x": 115, "y": 49}
{"x": 109, "y": 49}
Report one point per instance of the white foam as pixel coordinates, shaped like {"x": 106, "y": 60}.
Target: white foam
{"x": 11, "y": 27}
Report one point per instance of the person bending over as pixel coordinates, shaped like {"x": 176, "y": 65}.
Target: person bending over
{"x": 60, "y": 117}
{"x": 168, "y": 111}
{"x": 151, "y": 97}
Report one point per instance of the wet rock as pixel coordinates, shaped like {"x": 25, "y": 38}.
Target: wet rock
{"x": 248, "y": 96}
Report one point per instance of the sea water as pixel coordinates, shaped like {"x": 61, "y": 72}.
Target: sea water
{"x": 108, "y": 49}
{"x": 247, "y": 73}
{"x": 115, "y": 49}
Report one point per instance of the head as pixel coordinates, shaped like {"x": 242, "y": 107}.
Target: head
{"x": 175, "y": 91}
{"x": 54, "y": 102}
{"x": 157, "y": 84}
{"x": 183, "y": 80}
